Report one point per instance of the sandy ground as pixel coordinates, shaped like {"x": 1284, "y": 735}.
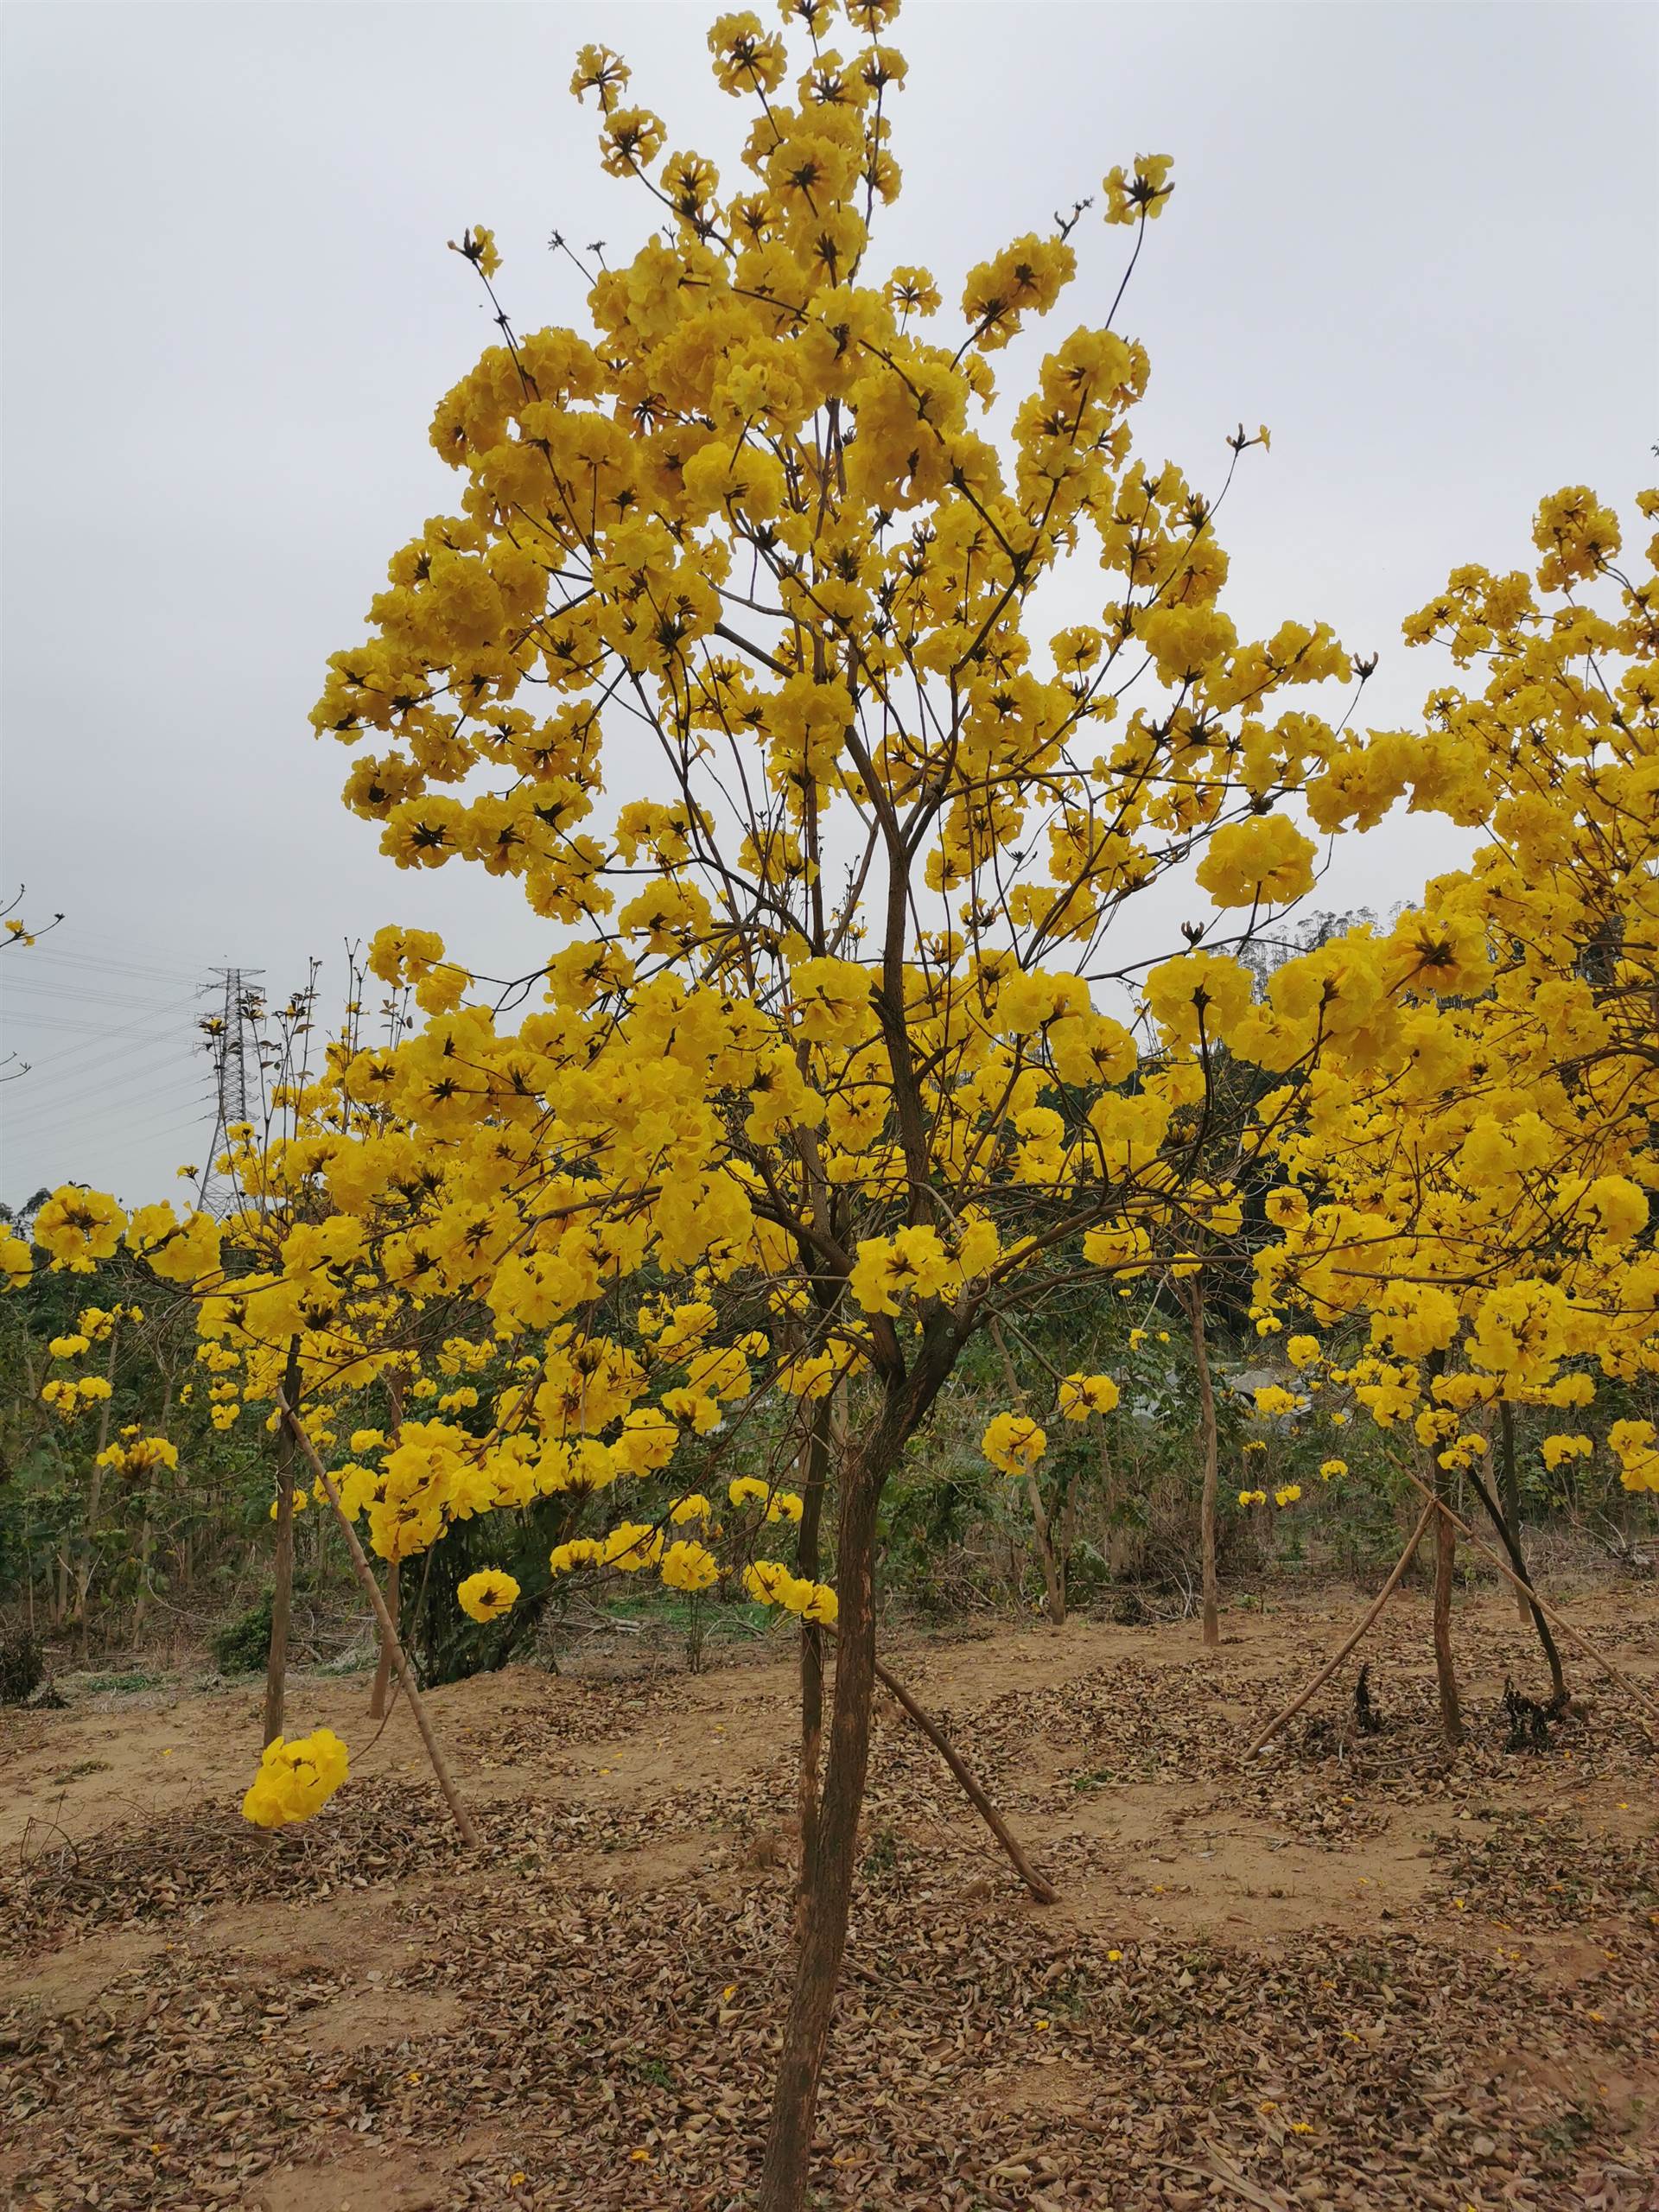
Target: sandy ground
{"x": 1356, "y": 1971}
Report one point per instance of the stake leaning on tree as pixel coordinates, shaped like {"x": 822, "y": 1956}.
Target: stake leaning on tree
{"x": 282, "y": 1587}
{"x": 371, "y": 1589}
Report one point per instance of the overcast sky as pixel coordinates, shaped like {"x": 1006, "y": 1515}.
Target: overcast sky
{"x": 1421, "y": 243}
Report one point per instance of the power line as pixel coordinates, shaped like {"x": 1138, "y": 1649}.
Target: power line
{"x": 50, "y": 1079}
{"x": 147, "y": 971}
{"x": 127, "y": 1098}
{"x": 47, "y": 987}
{"x": 188, "y": 1127}
{"x": 143, "y": 1086}
{"x": 58, "y": 1061}
{"x": 98, "y": 950}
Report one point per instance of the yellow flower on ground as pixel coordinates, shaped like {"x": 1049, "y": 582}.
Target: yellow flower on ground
{"x": 297, "y": 1779}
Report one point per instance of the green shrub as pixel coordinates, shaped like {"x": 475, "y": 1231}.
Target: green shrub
{"x": 23, "y": 1666}
{"x": 242, "y": 1645}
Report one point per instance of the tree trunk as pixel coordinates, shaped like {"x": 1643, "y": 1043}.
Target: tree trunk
{"x": 94, "y": 1497}
{"x": 1051, "y": 1564}
{"x": 809, "y": 1557}
{"x": 1048, "y": 1559}
{"x": 1416, "y": 1570}
{"x": 1207, "y": 1440}
{"x": 383, "y": 1664}
{"x": 1508, "y": 1535}
{"x": 1107, "y": 1488}
{"x": 1446, "y": 1553}
{"x": 147, "y": 1533}
{"x": 1510, "y": 1480}
{"x": 282, "y": 1597}
{"x": 828, "y": 1871}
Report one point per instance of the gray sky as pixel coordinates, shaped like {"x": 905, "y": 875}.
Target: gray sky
{"x": 1421, "y": 243}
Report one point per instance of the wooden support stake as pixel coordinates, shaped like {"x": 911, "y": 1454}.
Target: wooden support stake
{"x": 1331, "y": 1665}
{"x": 1446, "y": 1525}
{"x": 383, "y": 1657}
{"x": 282, "y": 1587}
{"x": 1043, "y": 1891}
{"x": 364, "y": 1573}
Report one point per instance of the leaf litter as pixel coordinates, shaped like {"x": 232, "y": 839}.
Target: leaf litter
{"x": 584, "y": 2016}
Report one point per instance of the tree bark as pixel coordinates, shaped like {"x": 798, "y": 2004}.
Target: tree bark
{"x": 809, "y": 1556}
{"x": 827, "y": 1872}
{"x": 1208, "y": 1444}
{"x": 1509, "y": 1536}
{"x": 147, "y": 1532}
{"x": 1646, "y": 1712}
{"x": 1054, "y": 1571}
{"x": 1446, "y": 1553}
{"x": 1051, "y": 1564}
{"x": 281, "y": 1595}
{"x": 383, "y": 1662}
{"x": 1510, "y": 1479}
{"x": 94, "y": 1497}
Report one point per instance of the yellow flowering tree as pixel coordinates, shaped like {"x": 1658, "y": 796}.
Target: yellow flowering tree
{"x": 825, "y": 1016}
{"x": 1472, "y": 1184}
{"x": 832, "y": 1060}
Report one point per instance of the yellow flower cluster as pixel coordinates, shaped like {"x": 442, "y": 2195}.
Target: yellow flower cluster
{"x": 771, "y": 1584}
{"x": 67, "y": 1399}
{"x": 1014, "y": 1443}
{"x": 1485, "y": 1155}
{"x": 812, "y": 1083}
{"x": 1635, "y": 1445}
{"x": 295, "y": 1780}
{"x": 141, "y": 1457}
{"x": 487, "y": 1595}
{"x": 776, "y": 1505}
{"x": 1079, "y": 1395}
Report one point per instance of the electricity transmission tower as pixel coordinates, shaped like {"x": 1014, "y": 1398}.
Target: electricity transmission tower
{"x": 232, "y": 1043}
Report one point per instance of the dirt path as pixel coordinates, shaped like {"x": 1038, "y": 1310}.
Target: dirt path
{"x": 1357, "y": 1972}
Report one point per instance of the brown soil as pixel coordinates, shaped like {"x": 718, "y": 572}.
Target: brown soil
{"x": 1359, "y": 1971}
